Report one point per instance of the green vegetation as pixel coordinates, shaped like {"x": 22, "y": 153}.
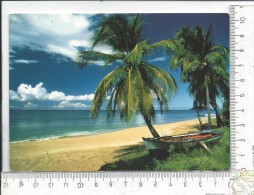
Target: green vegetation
{"x": 137, "y": 158}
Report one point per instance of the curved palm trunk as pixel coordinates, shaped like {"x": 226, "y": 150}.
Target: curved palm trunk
{"x": 199, "y": 119}
{"x": 218, "y": 118}
{"x": 150, "y": 126}
{"x": 208, "y": 105}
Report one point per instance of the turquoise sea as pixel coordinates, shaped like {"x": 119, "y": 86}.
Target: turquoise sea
{"x": 28, "y": 125}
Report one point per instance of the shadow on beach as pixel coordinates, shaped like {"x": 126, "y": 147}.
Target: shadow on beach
{"x": 138, "y": 159}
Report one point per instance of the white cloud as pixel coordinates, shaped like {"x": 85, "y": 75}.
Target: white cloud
{"x": 60, "y": 96}
{"x": 54, "y": 24}
{"x": 27, "y": 92}
{"x": 78, "y": 43}
{"x": 66, "y": 24}
{"x": 56, "y": 96}
{"x": 69, "y": 52}
{"x": 158, "y": 59}
{"x": 14, "y": 96}
{"x": 58, "y": 33}
{"x": 30, "y": 105}
{"x": 23, "y": 61}
{"x": 69, "y": 105}
{"x": 80, "y": 97}
{"x": 103, "y": 49}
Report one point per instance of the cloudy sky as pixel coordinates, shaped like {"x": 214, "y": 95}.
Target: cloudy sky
{"x": 43, "y": 74}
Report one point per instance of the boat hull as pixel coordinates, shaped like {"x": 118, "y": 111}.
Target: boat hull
{"x": 164, "y": 143}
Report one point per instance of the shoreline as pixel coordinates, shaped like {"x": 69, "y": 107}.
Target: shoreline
{"x": 87, "y": 135}
{"x": 85, "y": 153}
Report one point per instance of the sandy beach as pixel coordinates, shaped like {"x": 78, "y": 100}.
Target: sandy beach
{"x": 85, "y": 153}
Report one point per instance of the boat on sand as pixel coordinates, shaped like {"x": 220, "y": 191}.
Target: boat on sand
{"x": 183, "y": 141}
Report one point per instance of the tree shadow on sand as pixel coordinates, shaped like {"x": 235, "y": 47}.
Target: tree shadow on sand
{"x": 135, "y": 157}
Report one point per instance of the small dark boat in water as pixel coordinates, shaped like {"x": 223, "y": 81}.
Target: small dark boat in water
{"x": 183, "y": 141}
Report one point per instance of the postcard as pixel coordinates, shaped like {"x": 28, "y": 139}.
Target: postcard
{"x": 117, "y": 91}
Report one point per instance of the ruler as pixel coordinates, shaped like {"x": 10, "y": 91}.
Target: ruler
{"x": 242, "y": 86}
{"x": 236, "y": 181}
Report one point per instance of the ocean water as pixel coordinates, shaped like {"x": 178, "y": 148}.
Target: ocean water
{"x": 49, "y": 124}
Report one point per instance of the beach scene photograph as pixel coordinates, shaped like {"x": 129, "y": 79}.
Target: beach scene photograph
{"x": 119, "y": 92}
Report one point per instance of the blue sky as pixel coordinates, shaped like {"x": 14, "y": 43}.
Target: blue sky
{"x": 43, "y": 74}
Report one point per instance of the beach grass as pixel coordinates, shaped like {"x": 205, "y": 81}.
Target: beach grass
{"x": 137, "y": 157}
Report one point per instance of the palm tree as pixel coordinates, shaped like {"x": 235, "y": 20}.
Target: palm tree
{"x": 203, "y": 64}
{"x": 134, "y": 84}
{"x": 198, "y": 107}
{"x": 217, "y": 86}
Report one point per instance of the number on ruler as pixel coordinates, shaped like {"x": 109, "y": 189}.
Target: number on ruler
{"x": 80, "y": 185}
{"x": 35, "y": 184}
{"x": 66, "y": 185}
{"x": 21, "y": 184}
{"x": 5, "y": 185}
{"x": 242, "y": 20}
{"x": 50, "y": 185}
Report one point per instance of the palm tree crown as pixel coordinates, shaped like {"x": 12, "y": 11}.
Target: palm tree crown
{"x": 203, "y": 66}
{"x": 133, "y": 85}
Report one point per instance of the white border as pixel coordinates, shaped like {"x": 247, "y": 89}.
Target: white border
{"x": 87, "y": 7}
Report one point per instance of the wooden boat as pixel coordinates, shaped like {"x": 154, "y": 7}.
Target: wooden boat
{"x": 183, "y": 141}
